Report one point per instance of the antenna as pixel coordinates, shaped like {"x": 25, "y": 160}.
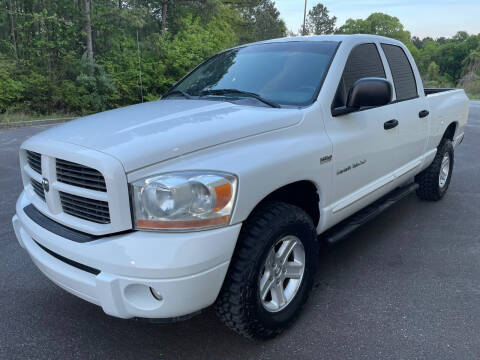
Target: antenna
{"x": 304, "y": 18}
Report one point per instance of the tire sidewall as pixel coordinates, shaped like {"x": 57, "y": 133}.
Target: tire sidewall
{"x": 304, "y": 231}
{"x": 447, "y": 148}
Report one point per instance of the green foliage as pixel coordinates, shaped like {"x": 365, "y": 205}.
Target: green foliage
{"x": 44, "y": 70}
{"x": 442, "y": 62}
{"x": 319, "y": 22}
{"x": 471, "y": 80}
{"x": 449, "y": 62}
{"x": 134, "y": 59}
{"x": 376, "y": 23}
{"x": 197, "y": 42}
{"x": 91, "y": 90}
{"x": 433, "y": 71}
{"x": 10, "y": 89}
{"x": 261, "y": 22}
{"x": 39, "y": 93}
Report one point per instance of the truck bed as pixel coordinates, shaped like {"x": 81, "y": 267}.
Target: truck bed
{"x": 431, "y": 91}
{"x": 446, "y": 106}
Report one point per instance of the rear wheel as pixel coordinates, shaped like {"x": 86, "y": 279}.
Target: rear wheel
{"x": 434, "y": 181}
{"x": 271, "y": 273}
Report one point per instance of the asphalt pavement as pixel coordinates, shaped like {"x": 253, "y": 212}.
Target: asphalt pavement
{"x": 404, "y": 286}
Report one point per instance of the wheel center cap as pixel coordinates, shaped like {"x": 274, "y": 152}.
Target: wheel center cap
{"x": 278, "y": 271}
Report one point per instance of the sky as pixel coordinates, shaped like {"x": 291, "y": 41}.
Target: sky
{"x": 434, "y": 18}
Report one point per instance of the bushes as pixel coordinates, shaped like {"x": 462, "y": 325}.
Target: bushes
{"x": 10, "y": 89}
{"x": 92, "y": 89}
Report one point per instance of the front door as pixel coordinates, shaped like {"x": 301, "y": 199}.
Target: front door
{"x": 363, "y": 150}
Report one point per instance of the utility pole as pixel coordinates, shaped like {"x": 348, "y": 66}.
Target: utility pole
{"x": 305, "y": 18}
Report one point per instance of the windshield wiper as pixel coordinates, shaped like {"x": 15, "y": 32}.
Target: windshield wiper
{"x": 177, "y": 92}
{"x": 236, "y": 91}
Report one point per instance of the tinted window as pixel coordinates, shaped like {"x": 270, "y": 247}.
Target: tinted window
{"x": 363, "y": 61}
{"x": 403, "y": 78}
{"x": 287, "y": 73}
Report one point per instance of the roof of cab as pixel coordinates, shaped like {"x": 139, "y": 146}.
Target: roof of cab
{"x": 343, "y": 38}
{"x": 349, "y": 39}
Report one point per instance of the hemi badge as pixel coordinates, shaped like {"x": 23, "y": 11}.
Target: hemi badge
{"x": 325, "y": 159}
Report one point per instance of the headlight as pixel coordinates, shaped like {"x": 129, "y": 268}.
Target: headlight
{"x": 184, "y": 200}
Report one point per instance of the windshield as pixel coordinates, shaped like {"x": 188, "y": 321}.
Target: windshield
{"x": 288, "y": 73}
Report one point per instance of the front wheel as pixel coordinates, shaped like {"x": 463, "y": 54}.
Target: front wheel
{"x": 434, "y": 181}
{"x": 271, "y": 273}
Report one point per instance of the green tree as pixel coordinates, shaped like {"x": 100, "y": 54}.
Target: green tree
{"x": 92, "y": 89}
{"x": 319, "y": 21}
{"x": 197, "y": 42}
{"x": 417, "y": 42}
{"x": 262, "y": 22}
{"x": 140, "y": 47}
{"x": 471, "y": 80}
{"x": 10, "y": 89}
{"x": 472, "y": 61}
{"x": 355, "y": 26}
{"x": 433, "y": 71}
{"x": 450, "y": 58}
{"x": 379, "y": 24}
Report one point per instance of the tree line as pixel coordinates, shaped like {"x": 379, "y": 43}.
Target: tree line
{"x": 84, "y": 56}
{"x": 442, "y": 62}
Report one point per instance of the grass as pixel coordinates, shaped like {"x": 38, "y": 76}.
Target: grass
{"x": 473, "y": 96}
{"x": 16, "y": 117}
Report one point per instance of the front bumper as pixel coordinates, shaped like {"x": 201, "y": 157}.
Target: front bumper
{"x": 186, "y": 269}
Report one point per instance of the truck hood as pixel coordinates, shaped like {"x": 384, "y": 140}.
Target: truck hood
{"x": 144, "y": 134}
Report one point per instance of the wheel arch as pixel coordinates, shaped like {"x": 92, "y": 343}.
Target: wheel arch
{"x": 302, "y": 193}
{"x": 450, "y": 131}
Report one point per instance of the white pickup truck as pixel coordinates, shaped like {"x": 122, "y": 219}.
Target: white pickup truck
{"x": 219, "y": 192}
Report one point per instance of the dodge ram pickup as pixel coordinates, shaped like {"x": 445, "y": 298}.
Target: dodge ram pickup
{"x": 220, "y": 192}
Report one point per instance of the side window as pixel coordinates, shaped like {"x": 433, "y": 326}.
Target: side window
{"x": 363, "y": 61}
{"x": 402, "y": 73}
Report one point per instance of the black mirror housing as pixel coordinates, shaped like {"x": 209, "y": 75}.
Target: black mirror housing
{"x": 366, "y": 92}
{"x": 369, "y": 92}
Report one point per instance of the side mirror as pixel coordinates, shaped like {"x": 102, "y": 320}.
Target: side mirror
{"x": 366, "y": 92}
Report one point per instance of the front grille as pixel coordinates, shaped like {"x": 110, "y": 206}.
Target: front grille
{"x": 80, "y": 175}
{"x": 81, "y": 180}
{"x": 38, "y": 188}
{"x": 34, "y": 161}
{"x": 84, "y": 208}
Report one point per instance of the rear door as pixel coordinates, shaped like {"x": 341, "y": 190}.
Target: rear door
{"x": 409, "y": 107}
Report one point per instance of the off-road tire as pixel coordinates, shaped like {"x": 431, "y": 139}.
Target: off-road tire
{"x": 429, "y": 188}
{"x": 238, "y": 304}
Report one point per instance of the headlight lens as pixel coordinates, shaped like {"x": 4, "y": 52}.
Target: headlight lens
{"x": 184, "y": 200}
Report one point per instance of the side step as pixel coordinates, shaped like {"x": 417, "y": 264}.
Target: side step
{"x": 344, "y": 228}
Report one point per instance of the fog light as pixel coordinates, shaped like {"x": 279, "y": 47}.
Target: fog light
{"x": 156, "y": 294}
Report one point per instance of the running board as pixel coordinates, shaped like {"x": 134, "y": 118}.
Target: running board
{"x": 347, "y": 226}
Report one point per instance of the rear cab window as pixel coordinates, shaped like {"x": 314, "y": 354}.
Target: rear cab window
{"x": 402, "y": 72}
